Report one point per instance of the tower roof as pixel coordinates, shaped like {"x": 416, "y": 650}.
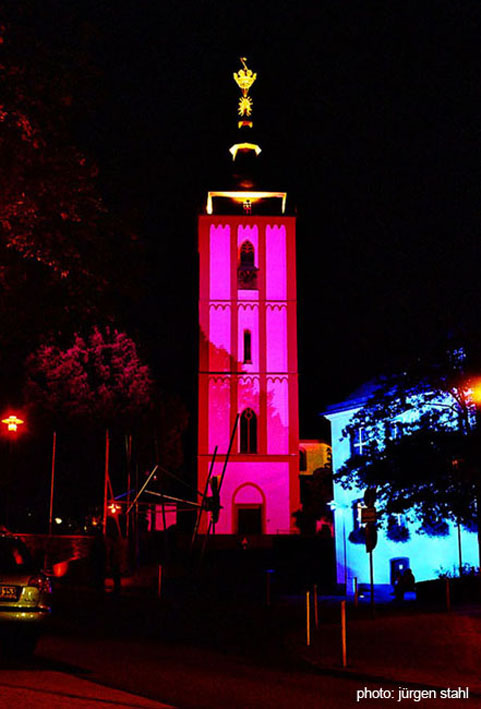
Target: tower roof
{"x": 246, "y": 186}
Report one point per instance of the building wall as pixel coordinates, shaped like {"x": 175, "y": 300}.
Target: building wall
{"x": 267, "y": 383}
{"x": 427, "y": 555}
{"x": 318, "y": 455}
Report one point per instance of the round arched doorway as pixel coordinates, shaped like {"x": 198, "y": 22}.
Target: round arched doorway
{"x": 249, "y": 510}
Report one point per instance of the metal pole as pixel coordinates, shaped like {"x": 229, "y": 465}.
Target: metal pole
{"x": 135, "y": 504}
{"x": 316, "y": 610}
{"x": 128, "y": 441}
{"x": 106, "y": 478}
{"x": 371, "y": 573}
{"x": 448, "y": 596}
{"x": 204, "y": 495}
{"x": 268, "y": 588}
{"x": 343, "y": 633}
{"x": 356, "y": 592}
{"x": 460, "y": 551}
{"x": 345, "y": 549}
{"x": 143, "y": 487}
{"x": 52, "y": 483}
{"x": 308, "y": 618}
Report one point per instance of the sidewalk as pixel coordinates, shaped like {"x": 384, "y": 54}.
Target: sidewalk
{"x": 56, "y": 690}
{"x": 440, "y": 649}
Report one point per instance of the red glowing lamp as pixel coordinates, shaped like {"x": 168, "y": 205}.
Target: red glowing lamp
{"x": 12, "y": 422}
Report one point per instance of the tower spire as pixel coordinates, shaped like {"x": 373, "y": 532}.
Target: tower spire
{"x": 244, "y": 79}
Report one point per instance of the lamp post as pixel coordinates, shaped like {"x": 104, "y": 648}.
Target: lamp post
{"x": 336, "y": 507}
{"x": 12, "y": 422}
{"x": 52, "y": 483}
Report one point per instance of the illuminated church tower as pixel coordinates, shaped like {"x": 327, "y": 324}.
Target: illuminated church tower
{"x": 248, "y": 344}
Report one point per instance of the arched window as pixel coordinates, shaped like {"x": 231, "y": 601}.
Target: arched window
{"x": 302, "y": 459}
{"x": 247, "y": 347}
{"x": 247, "y": 271}
{"x": 248, "y": 432}
{"x": 247, "y": 254}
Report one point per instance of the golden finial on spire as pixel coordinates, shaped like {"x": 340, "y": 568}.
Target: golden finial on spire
{"x": 244, "y": 79}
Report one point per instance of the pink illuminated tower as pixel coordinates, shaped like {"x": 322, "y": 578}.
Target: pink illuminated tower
{"x": 248, "y": 344}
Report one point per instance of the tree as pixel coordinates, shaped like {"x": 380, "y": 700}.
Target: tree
{"x": 170, "y": 423}
{"x": 422, "y": 444}
{"x": 316, "y": 492}
{"x": 63, "y": 256}
{"x": 99, "y": 377}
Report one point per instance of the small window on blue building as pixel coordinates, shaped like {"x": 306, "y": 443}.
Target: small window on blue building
{"x": 359, "y": 441}
{"x": 357, "y": 506}
{"x": 393, "y": 430}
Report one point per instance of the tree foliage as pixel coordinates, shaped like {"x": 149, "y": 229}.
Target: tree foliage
{"x": 99, "y": 377}
{"x": 64, "y": 258}
{"x": 316, "y": 492}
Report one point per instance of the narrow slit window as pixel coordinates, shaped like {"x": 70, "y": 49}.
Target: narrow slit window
{"x": 247, "y": 347}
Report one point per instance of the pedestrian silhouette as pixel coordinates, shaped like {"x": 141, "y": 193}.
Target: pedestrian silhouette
{"x": 408, "y": 580}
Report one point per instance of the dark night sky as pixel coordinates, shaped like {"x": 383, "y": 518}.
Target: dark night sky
{"x": 369, "y": 110}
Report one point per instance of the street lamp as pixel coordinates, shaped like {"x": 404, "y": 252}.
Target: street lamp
{"x": 12, "y": 422}
{"x": 474, "y": 392}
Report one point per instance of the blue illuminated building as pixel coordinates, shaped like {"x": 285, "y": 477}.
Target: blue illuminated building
{"x": 425, "y": 555}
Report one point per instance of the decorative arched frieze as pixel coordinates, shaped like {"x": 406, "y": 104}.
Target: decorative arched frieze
{"x": 219, "y": 378}
{"x": 248, "y": 380}
{"x": 276, "y": 306}
{"x": 248, "y": 305}
{"x": 277, "y": 378}
{"x": 219, "y": 306}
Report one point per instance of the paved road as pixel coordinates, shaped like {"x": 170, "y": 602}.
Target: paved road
{"x": 179, "y": 655}
{"x": 196, "y": 678}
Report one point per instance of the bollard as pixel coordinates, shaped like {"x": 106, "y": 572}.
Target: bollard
{"x": 343, "y": 633}
{"x": 316, "y": 610}
{"x": 268, "y": 588}
{"x": 308, "y": 618}
{"x": 356, "y": 592}
{"x": 448, "y": 595}
{"x": 159, "y": 581}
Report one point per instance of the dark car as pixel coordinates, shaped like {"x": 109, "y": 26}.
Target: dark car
{"x": 25, "y": 597}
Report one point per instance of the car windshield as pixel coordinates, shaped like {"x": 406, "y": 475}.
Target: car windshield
{"x": 14, "y": 556}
